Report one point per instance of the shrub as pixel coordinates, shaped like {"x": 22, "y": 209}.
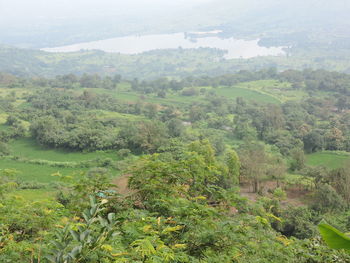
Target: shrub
{"x": 327, "y": 199}
{"x": 190, "y": 92}
{"x": 124, "y": 153}
{"x": 279, "y": 194}
{"x": 4, "y": 149}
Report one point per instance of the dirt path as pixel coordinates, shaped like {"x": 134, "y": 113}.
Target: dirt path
{"x": 122, "y": 185}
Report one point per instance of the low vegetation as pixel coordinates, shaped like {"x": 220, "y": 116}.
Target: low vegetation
{"x": 235, "y": 168}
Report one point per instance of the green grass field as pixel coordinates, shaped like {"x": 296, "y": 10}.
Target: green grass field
{"x": 130, "y": 96}
{"x": 34, "y": 194}
{"x": 248, "y": 94}
{"x": 328, "y": 159}
{"x": 37, "y": 173}
{"x": 264, "y": 91}
{"x": 281, "y": 91}
{"x": 28, "y": 148}
{"x": 3, "y": 127}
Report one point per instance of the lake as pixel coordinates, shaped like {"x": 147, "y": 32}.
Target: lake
{"x": 236, "y": 48}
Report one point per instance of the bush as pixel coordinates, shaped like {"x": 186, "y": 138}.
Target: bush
{"x": 190, "y": 92}
{"x": 279, "y": 194}
{"x": 31, "y": 185}
{"x": 298, "y": 222}
{"x": 4, "y": 149}
{"x": 124, "y": 153}
{"x": 327, "y": 199}
{"x": 161, "y": 94}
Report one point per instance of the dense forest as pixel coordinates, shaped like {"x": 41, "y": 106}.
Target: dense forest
{"x": 173, "y": 63}
{"x": 240, "y": 167}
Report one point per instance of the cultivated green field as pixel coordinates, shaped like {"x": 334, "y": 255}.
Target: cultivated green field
{"x": 248, "y": 94}
{"x": 171, "y": 98}
{"x": 36, "y": 172}
{"x": 35, "y": 194}
{"x": 28, "y": 148}
{"x": 249, "y": 91}
{"x": 263, "y": 91}
{"x": 281, "y": 91}
{"x": 330, "y": 160}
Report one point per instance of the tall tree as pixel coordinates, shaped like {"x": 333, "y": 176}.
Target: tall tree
{"x": 254, "y": 165}
{"x": 233, "y": 165}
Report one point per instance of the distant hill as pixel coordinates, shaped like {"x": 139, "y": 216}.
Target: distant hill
{"x": 284, "y": 22}
{"x": 35, "y": 25}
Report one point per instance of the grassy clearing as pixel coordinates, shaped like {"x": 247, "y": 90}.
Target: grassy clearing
{"x": 3, "y": 127}
{"x": 171, "y": 98}
{"x": 34, "y": 194}
{"x": 281, "y": 91}
{"x": 248, "y": 94}
{"x": 265, "y": 91}
{"x": 37, "y": 173}
{"x": 28, "y": 148}
{"x": 267, "y": 83}
{"x": 179, "y": 99}
{"x": 330, "y": 160}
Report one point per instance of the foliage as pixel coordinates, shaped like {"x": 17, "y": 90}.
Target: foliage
{"x": 84, "y": 242}
{"x": 4, "y": 149}
{"x": 327, "y": 199}
{"x": 333, "y": 237}
{"x": 184, "y": 159}
{"x": 233, "y": 165}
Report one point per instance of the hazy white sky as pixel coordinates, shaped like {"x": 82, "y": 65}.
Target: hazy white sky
{"x": 23, "y": 12}
{"x": 29, "y": 9}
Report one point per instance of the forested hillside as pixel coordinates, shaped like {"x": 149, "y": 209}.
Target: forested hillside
{"x": 175, "y": 63}
{"x": 239, "y": 167}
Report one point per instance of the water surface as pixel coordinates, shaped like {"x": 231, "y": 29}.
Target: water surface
{"x": 236, "y": 48}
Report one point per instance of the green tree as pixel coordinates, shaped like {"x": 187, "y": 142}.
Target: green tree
{"x": 233, "y": 165}
{"x": 254, "y": 165}
{"x": 313, "y": 142}
{"x": 298, "y": 160}
{"x": 175, "y": 127}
